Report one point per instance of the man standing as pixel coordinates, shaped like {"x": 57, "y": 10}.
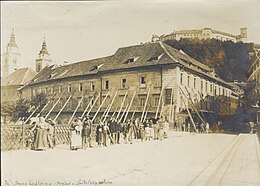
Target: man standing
{"x": 86, "y": 133}
{"x": 50, "y": 133}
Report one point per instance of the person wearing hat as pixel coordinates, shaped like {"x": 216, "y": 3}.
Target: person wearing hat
{"x": 86, "y": 133}
{"x": 50, "y": 132}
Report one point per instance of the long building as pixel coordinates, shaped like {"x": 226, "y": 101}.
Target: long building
{"x": 205, "y": 33}
{"x": 151, "y": 76}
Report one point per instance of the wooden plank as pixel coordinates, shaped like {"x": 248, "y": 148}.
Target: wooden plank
{"x": 62, "y": 109}
{"x": 146, "y": 101}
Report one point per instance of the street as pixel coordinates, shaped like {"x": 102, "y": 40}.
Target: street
{"x": 181, "y": 159}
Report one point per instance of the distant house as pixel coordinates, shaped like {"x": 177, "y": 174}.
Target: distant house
{"x": 151, "y": 74}
{"x": 11, "y": 84}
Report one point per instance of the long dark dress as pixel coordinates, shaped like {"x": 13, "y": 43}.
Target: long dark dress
{"x": 40, "y": 141}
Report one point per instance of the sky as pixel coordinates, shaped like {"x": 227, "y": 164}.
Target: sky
{"x": 77, "y": 31}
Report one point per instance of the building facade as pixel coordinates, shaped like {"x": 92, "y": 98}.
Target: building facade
{"x": 254, "y": 74}
{"x": 148, "y": 79}
{"x": 10, "y": 57}
{"x": 205, "y": 33}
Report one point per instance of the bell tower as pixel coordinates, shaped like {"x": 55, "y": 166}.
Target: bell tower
{"x": 44, "y": 58}
{"x": 10, "y": 56}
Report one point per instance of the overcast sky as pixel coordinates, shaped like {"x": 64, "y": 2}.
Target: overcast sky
{"x": 78, "y": 31}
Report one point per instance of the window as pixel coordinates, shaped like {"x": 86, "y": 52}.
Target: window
{"x": 122, "y": 99}
{"x": 142, "y": 81}
{"x": 168, "y": 96}
{"x": 80, "y": 87}
{"x": 188, "y": 80}
{"x": 45, "y": 90}
{"x": 106, "y": 84}
{"x": 201, "y": 85}
{"x": 142, "y": 101}
{"x": 211, "y": 88}
{"x": 156, "y": 100}
{"x": 154, "y": 58}
{"x": 181, "y": 78}
{"x": 69, "y": 88}
{"x": 60, "y": 89}
{"x": 131, "y": 60}
{"x": 206, "y": 87}
{"x": 92, "y": 86}
{"x": 123, "y": 83}
{"x": 194, "y": 83}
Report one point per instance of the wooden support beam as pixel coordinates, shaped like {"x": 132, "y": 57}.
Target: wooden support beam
{"x": 171, "y": 104}
{"x": 187, "y": 108}
{"x": 160, "y": 98}
{"x": 130, "y": 104}
{"x": 71, "y": 118}
{"x": 92, "y": 106}
{"x": 85, "y": 110}
{"x": 114, "y": 112}
{"x": 31, "y": 114}
{"x": 122, "y": 104}
{"x": 146, "y": 101}
{"x": 62, "y": 108}
{"x": 110, "y": 106}
{"x": 191, "y": 102}
{"x": 52, "y": 108}
{"x": 122, "y": 115}
{"x": 94, "y": 117}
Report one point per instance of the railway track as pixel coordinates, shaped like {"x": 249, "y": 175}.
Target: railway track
{"x": 237, "y": 164}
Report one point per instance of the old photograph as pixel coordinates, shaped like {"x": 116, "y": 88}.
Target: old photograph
{"x": 130, "y": 93}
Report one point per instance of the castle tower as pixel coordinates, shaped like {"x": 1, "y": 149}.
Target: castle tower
{"x": 10, "y": 57}
{"x": 44, "y": 58}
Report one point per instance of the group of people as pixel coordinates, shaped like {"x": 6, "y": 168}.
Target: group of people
{"x": 186, "y": 127}
{"x": 43, "y": 133}
{"x": 113, "y": 131}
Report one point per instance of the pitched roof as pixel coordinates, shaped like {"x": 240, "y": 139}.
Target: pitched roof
{"x": 19, "y": 77}
{"x": 143, "y": 55}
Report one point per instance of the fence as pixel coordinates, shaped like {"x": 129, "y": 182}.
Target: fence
{"x": 15, "y": 137}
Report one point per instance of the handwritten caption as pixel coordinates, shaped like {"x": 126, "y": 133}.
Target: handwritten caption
{"x": 80, "y": 182}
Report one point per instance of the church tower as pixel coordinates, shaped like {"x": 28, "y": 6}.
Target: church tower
{"x": 44, "y": 58}
{"x": 10, "y": 57}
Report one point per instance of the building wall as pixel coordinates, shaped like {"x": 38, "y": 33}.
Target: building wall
{"x": 138, "y": 82}
{"x": 9, "y": 94}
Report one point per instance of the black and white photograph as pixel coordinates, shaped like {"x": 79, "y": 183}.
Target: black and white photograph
{"x": 130, "y": 93}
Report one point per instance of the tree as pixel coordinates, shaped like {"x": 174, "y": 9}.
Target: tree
{"x": 19, "y": 109}
{"x": 40, "y": 100}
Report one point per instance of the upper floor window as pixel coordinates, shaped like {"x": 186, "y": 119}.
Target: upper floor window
{"x": 80, "y": 87}
{"x": 69, "y": 88}
{"x": 188, "y": 80}
{"x": 92, "y": 86}
{"x": 181, "y": 78}
{"x": 194, "y": 83}
{"x": 106, "y": 84}
{"x": 123, "y": 83}
{"x": 142, "y": 81}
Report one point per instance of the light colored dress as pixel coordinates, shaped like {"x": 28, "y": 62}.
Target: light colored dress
{"x": 76, "y": 139}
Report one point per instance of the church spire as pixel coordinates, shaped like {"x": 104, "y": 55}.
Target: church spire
{"x": 12, "y": 42}
{"x": 44, "y": 48}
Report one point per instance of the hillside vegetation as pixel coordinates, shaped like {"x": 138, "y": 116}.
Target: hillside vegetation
{"x": 229, "y": 59}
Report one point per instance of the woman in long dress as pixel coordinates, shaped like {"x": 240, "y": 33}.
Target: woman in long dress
{"x": 40, "y": 140}
{"x": 76, "y": 140}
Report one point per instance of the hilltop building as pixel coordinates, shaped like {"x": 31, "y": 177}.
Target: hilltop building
{"x": 10, "y": 57}
{"x": 205, "y": 33}
{"x": 153, "y": 75}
